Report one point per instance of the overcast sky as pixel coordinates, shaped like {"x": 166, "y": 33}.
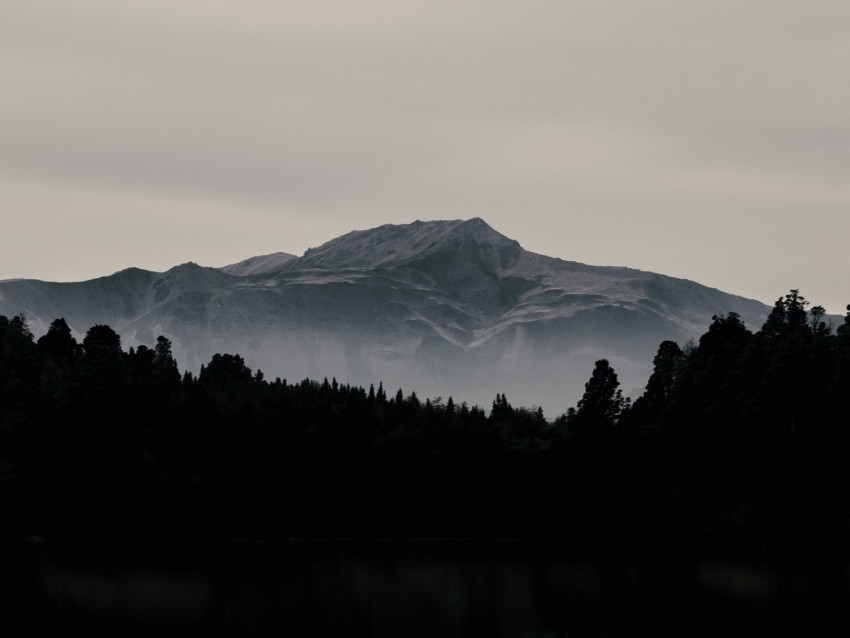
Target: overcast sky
{"x": 705, "y": 139}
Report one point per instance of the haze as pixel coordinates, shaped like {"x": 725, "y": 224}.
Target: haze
{"x": 702, "y": 140}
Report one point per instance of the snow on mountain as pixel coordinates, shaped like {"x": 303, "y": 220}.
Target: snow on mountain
{"x": 439, "y": 307}
{"x": 395, "y": 245}
{"x": 257, "y": 265}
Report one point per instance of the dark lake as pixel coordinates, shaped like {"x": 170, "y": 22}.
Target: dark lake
{"x": 425, "y": 589}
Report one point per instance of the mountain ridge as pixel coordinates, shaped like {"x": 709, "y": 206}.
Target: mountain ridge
{"x": 441, "y": 307}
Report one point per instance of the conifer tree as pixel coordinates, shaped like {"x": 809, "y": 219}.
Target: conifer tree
{"x": 602, "y": 403}
{"x": 164, "y": 363}
{"x": 649, "y": 407}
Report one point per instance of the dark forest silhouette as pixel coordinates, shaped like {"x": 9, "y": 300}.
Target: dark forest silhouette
{"x": 740, "y": 439}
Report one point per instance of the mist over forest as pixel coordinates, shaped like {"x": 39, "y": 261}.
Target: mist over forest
{"x": 740, "y": 438}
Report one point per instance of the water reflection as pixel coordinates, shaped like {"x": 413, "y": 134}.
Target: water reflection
{"x": 140, "y": 594}
{"x": 441, "y": 591}
{"x": 739, "y": 581}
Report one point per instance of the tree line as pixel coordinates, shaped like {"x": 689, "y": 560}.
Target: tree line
{"x": 739, "y": 438}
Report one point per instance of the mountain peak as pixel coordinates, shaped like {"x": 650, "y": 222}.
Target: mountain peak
{"x": 482, "y": 233}
{"x": 395, "y": 244}
{"x": 191, "y": 273}
{"x": 477, "y": 222}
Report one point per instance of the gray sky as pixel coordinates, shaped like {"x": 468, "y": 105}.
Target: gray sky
{"x": 704, "y": 139}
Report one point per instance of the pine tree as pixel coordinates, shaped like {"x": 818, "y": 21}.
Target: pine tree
{"x": 659, "y": 388}
{"x": 602, "y": 403}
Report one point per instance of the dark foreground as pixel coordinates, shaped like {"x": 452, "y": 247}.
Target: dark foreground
{"x": 739, "y": 442}
{"x": 411, "y": 589}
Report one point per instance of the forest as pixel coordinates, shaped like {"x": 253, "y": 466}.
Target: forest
{"x": 740, "y": 439}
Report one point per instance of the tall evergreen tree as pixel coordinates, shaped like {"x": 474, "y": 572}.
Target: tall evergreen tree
{"x": 164, "y": 364}
{"x": 602, "y": 403}
{"x": 649, "y": 407}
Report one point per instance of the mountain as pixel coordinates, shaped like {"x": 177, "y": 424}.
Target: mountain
{"x": 439, "y": 307}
